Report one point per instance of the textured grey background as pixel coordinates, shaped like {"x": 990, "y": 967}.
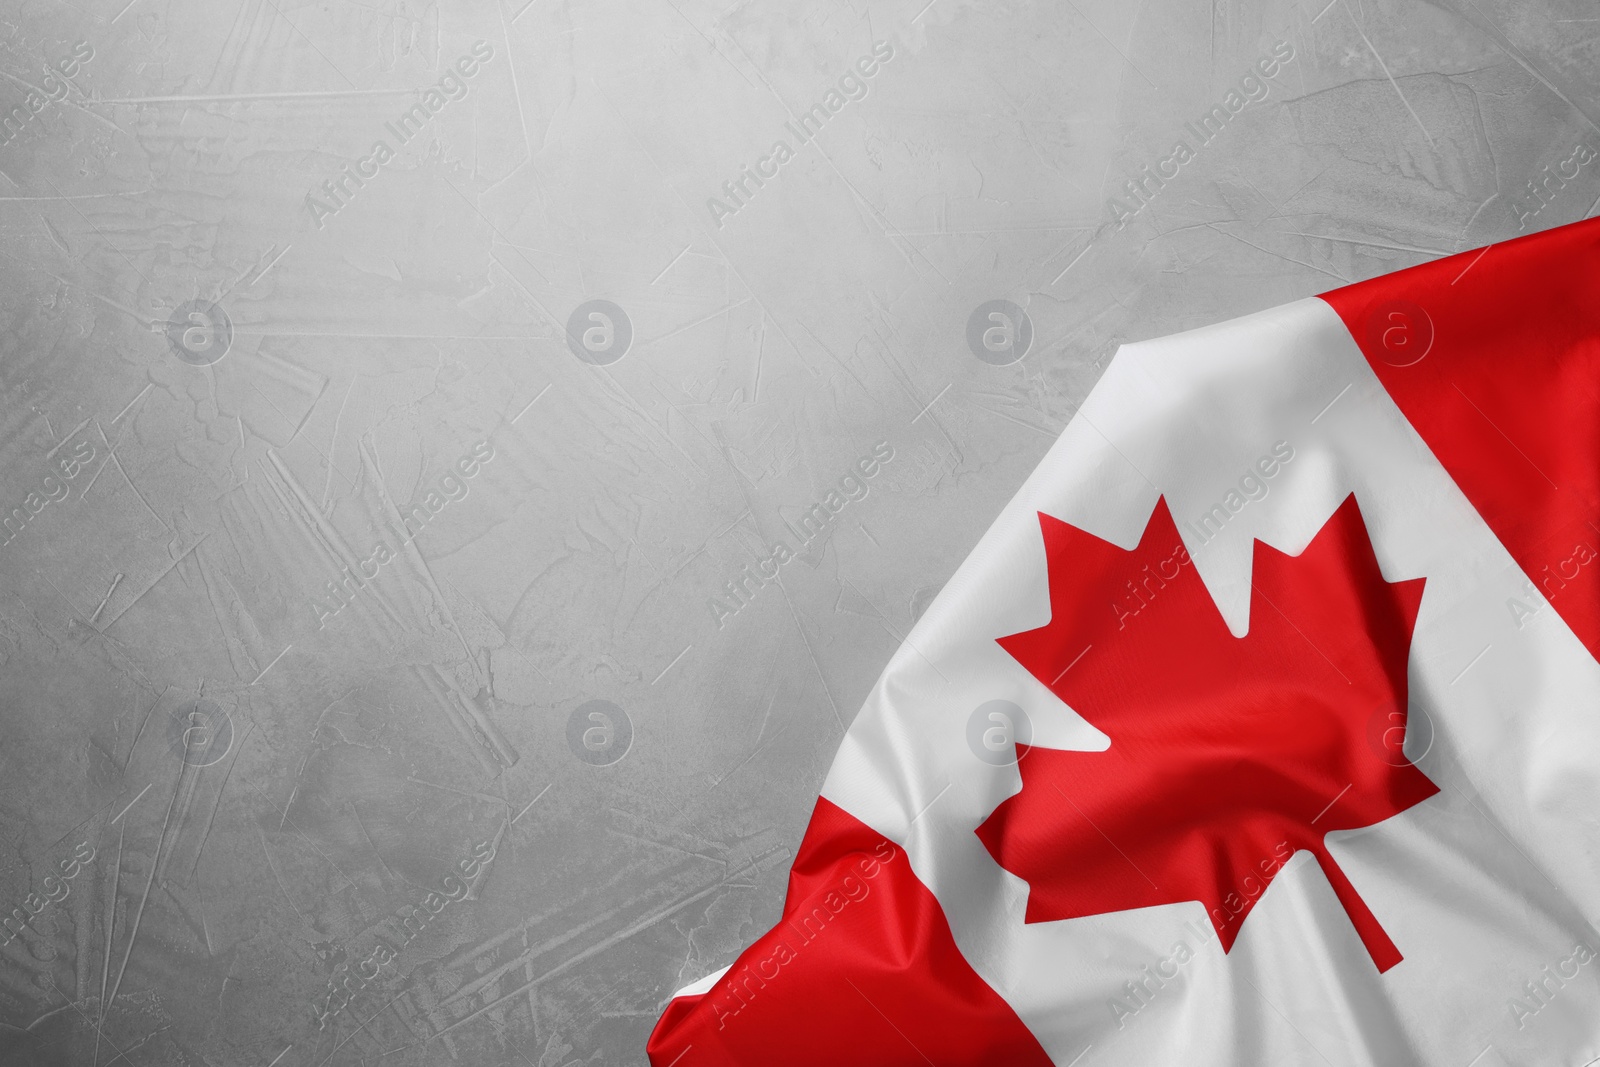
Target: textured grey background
{"x": 217, "y": 798}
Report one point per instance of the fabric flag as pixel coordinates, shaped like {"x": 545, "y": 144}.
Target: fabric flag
{"x": 1262, "y": 726}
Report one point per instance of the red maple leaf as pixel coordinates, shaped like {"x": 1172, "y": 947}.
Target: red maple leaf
{"x": 1227, "y": 754}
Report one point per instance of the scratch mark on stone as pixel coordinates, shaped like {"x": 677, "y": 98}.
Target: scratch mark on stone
{"x": 1385, "y": 68}
{"x": 703, "y": 319}
{"x": 333, "y": 441}
{"x": 1278, "y": 255}
{"x": 107, "y": 598}
{"x": 670, "y": 847}
{"x": 753, "y": 754}
{"x": 1362, "y": 243}
{"x": 111, "y": 922}
{"x": 516, "y": 88}
{"x": 617, "y": 938}
{"x": 61, "y": 443}
{"x": 98, "y": 232}
{"x": 143, "y": 320}
{"x": 301, "y": 834}
{"x": 142, "y": 723}
{"x": 98, "y": 1033}
{"x": 363, "y": 1026}
{"x": 812, "y": 652}
{"x": 75, "y": 609}
{"x": 154, "y": 582}
{"x": 138, "y": 915}
{"x": 1511, "y": 50}
{"x": 96, "y": 477}
{"x": 1113, "y": 44}
{"x": 1052, "y": 435}
{"x": 273, "y": 867}
{"x": 221, "y": 789}
{"x": 362, "y": 826}
{"x": 138, "y": 494}
{"x": 463, "y": 792}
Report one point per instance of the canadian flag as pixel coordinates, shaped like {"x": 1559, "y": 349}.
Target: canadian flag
{"x": 1262, "y": 727}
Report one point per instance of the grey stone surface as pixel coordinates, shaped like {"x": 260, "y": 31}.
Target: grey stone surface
{"x": 343, "y": 562}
